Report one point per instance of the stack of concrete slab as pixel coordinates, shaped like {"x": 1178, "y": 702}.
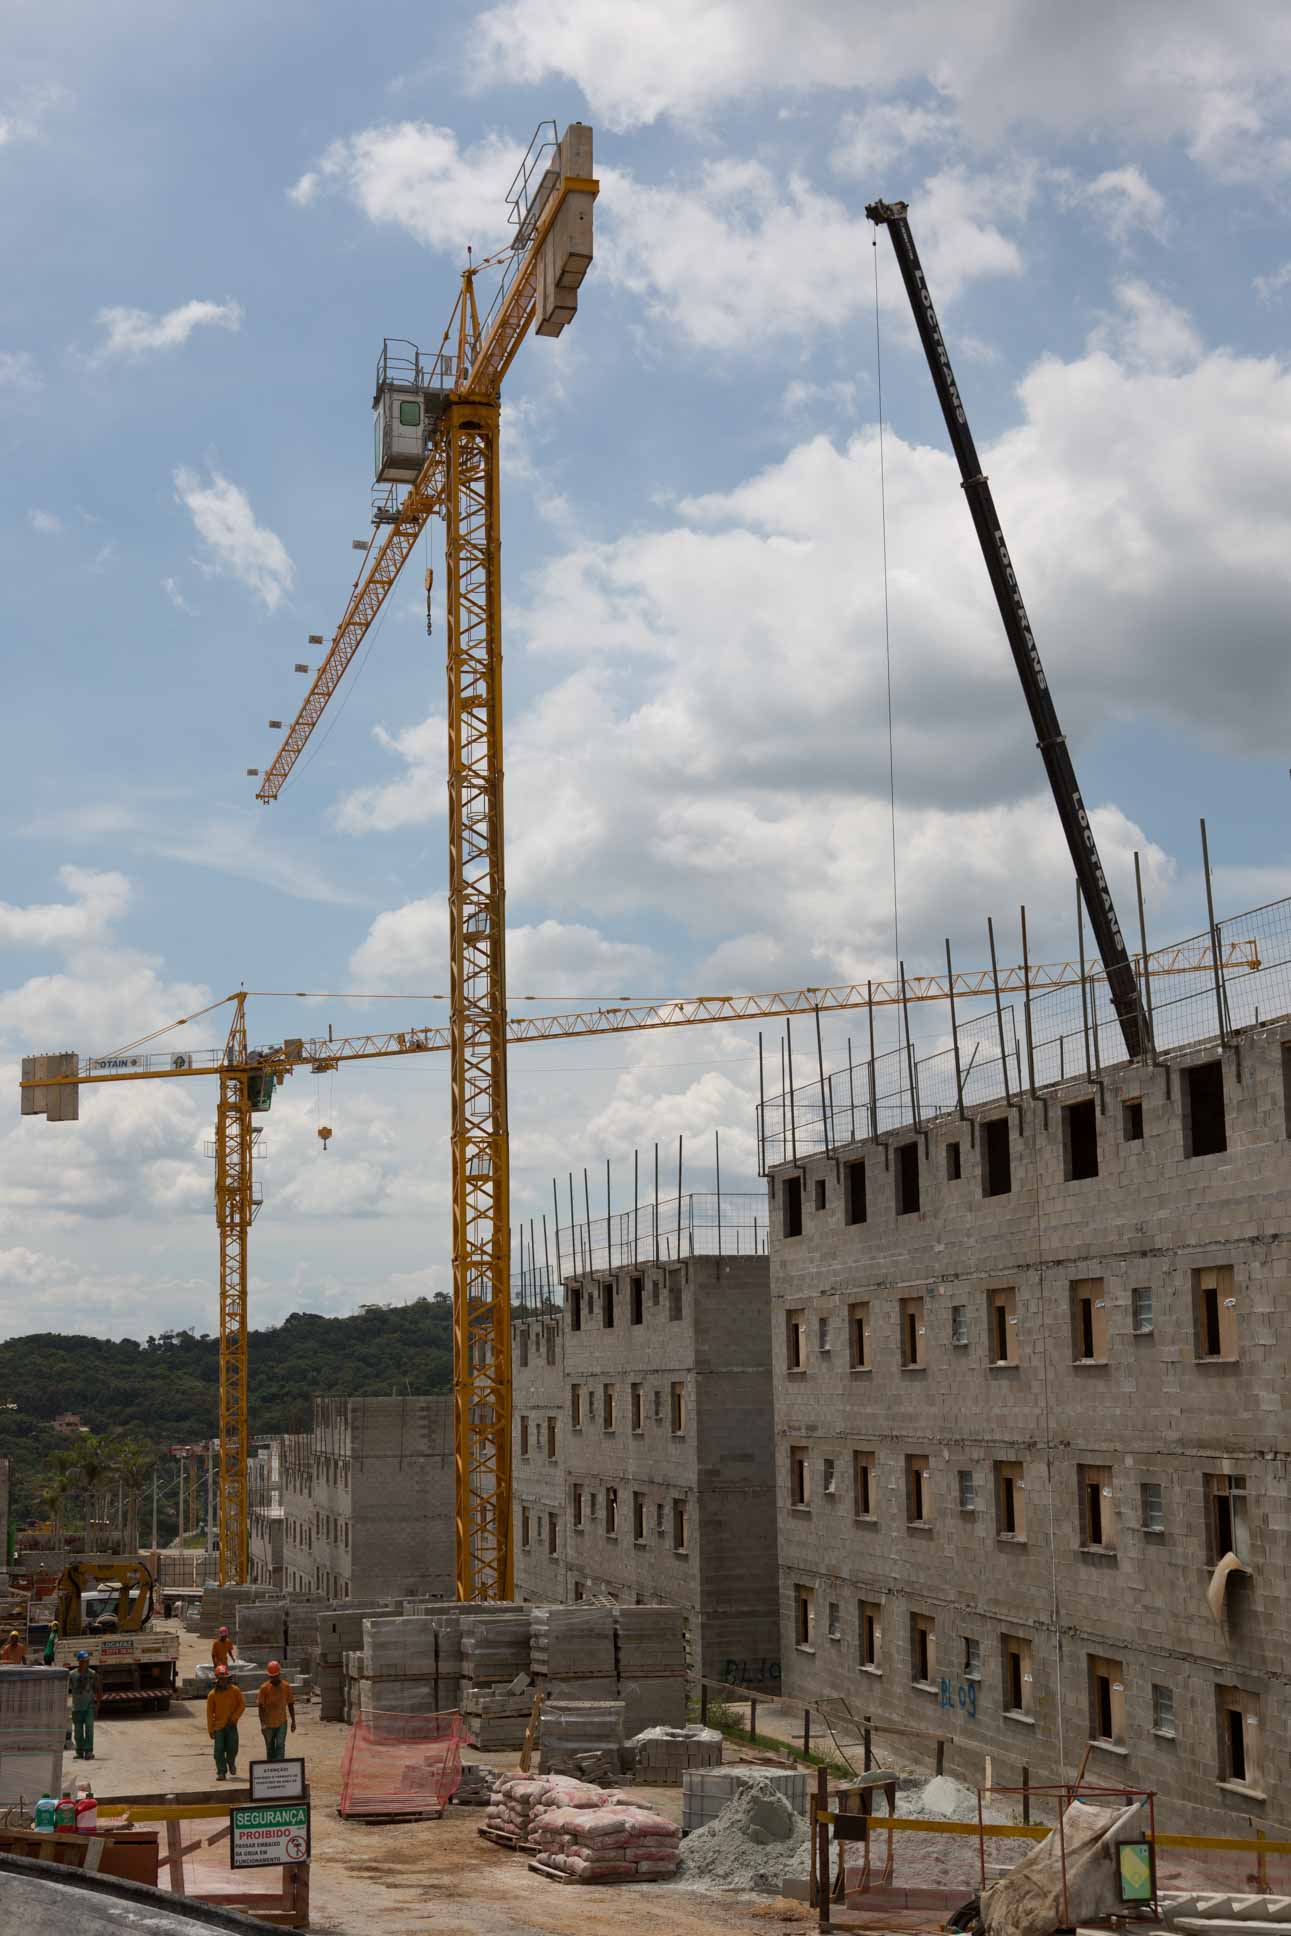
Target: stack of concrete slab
{"x": 582, "y": 1738}
{"x": 33, "y": 1723}
{"x": 220, "y": 1605}
{"x": 661, "y": 1757}
{"x": 650, "y": 1646}
{"x": 496, "y": 1695}
{"x": 572, "y": 1652}
{"x": 399, "y": 1668}
{"x": 262, "y": 1629}
{"x": 340, "y": 1631}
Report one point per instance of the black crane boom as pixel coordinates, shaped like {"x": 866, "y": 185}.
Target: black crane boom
{"x": 1117, "y": 966}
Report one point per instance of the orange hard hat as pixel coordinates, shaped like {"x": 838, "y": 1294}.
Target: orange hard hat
{"x": 224, "y": 1633}
{"x": 221, "y": 1669}
{"x": 275, "y": 1667}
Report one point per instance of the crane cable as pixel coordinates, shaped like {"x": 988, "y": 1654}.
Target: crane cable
{"x": 887, "y": 623}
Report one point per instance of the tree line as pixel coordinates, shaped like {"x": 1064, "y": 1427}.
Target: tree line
{"x": 139, "y": 1398}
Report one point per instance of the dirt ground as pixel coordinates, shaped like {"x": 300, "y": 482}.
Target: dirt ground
{"x": 428, "y": 1876}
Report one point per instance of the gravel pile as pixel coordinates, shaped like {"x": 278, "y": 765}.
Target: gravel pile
{"x": 757, "y": 1843}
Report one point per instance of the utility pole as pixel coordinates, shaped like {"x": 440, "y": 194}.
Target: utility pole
{"x": 154, "y": 1509}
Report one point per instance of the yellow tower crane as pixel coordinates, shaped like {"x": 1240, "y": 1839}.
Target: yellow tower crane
{"x": 437, "y": 451}
{"x": 50, "y": 1086}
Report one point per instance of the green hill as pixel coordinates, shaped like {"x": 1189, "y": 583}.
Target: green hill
{"x": 166, "y": 1390}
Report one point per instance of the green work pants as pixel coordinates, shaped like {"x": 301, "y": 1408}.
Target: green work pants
{"x": 225, "y": 1743}
{"x": 275, "y": 1742}
{"x": 83, "y": 1729}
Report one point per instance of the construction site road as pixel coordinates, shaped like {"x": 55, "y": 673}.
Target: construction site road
{"x": 421, "y": 1878}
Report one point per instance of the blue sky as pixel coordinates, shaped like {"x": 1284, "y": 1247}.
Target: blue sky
{"x": 209, "y": 227}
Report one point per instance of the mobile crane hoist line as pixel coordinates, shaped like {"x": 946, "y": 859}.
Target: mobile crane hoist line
{"x": 1122, "y": 983}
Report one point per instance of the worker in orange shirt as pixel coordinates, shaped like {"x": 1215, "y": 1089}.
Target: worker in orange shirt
{"x": 224, "y": 1709}
{"x": 222, "y": 1649}
{"x": 277, "y": 1706}
{"x": 14, "y": 1651}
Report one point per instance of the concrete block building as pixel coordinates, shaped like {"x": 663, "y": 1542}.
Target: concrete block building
{"x": 296, "y": 1454}
{"x": 642, "y": 1452}
{"x": 383, "y": 1497}
{"x": 265, "y": 1514}
{"x": 1034, "y": 1477}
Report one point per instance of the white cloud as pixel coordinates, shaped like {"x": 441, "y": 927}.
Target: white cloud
{"x": 407, "y": 947}
{"x": 174, "y": 592}
{"x": 886, "y": 130}
{"x": 224, "y": 520}
{"x": 19, "y": 376}
{"x": 23, "y": 118}
{"x": 48, "y": 523}
{"x": 97, "y": 900}
{"x": 1150, "y": 332}
{"x": 694, "y": 252}
{"x": 134, "y": 332}
{"x": 1168, "y": 69}
{"x": 1269, "y": 287}
{"x": 1122, "y": 200}
{"x": 416, "y": 176}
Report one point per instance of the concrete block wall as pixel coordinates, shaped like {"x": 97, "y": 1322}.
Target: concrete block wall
{"x": 297, "y": 1465}
{"x": 702, "y": 1329}
{"x": 403, "y": 1511}
{"x": 1151, "y": 1411}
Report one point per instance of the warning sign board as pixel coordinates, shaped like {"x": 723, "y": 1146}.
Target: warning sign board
{"x": 263, "y": 1835}
{"x": 278, "y": 1781}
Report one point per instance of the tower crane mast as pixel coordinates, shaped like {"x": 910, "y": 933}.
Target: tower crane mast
{"x": 1117, "y": 966}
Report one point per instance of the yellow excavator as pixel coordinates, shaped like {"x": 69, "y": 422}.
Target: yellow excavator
{"x": 104, "y": 1608}
{"x": 103, "y": 1596}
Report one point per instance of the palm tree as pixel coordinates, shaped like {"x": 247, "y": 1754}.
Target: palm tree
{"x": 92, "y": 1469}
{"x": 133, "y": 1464}
{"x": 57, "y": 1487}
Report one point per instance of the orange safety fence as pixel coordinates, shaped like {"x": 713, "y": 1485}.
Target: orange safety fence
{"x": 401, "y": 1766}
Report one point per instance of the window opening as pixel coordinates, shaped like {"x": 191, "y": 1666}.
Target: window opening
{"x": 997, "y": 1166}
{"x": 1205, "y": 1132}
{"x": 1080, "y": 1140}
{"x": 1141, "y": 1310}
{"x": 854, "y": 1192}
{"x": 1132, "y": 1119}
{"x": 954, "y": 1165}
{"x": 791, "y": 1207}
{"x": 907, "y": 1178}
{"x": 636, "y": 1300}
{"x": 858, "y": 1329}
{"x": 819, "y": 1194}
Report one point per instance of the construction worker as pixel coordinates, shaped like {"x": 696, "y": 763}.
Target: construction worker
{"x": 277, "y": 1707}
{"x": 222, "y": 1649}
{"x": 224, "y": 1709}
{"x": 83, "y": 1687}
{"x": 51, "y": 1642}
{"x": 14, "y": 1651}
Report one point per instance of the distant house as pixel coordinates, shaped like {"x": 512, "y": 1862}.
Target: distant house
{"x": 69, "y": 1424}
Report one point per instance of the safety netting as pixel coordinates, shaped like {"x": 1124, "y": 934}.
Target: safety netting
{"x": 399, "y": 1766}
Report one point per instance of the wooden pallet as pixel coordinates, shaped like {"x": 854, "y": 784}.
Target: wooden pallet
{"x": 585, "y": 1882}
{"x": 504, "y": 1839}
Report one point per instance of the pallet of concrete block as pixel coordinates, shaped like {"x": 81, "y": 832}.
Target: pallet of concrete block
{"x": 572, "y": 1643}
{"x": 518, "y": 1798}
{"x": 706, "y": 1791}
{"x": 650, "y": 1642}
{"x": 262, "y": 1627}
{"x": 656, "y": 1702}
{"x": 495, "y": 1716}
{"x": 495, "y": 1649}
{"x": 622, "y": 1843}
{"x": 660, "y": 1757}
{"x": 331, "y": 1706}
{"x": 582, "y": 1738}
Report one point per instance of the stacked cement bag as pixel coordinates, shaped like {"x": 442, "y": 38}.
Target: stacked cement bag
{"x": 614, "y": 1844}
{"x": 582, "y": 1738}
{"x": 518, "y": 1798}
